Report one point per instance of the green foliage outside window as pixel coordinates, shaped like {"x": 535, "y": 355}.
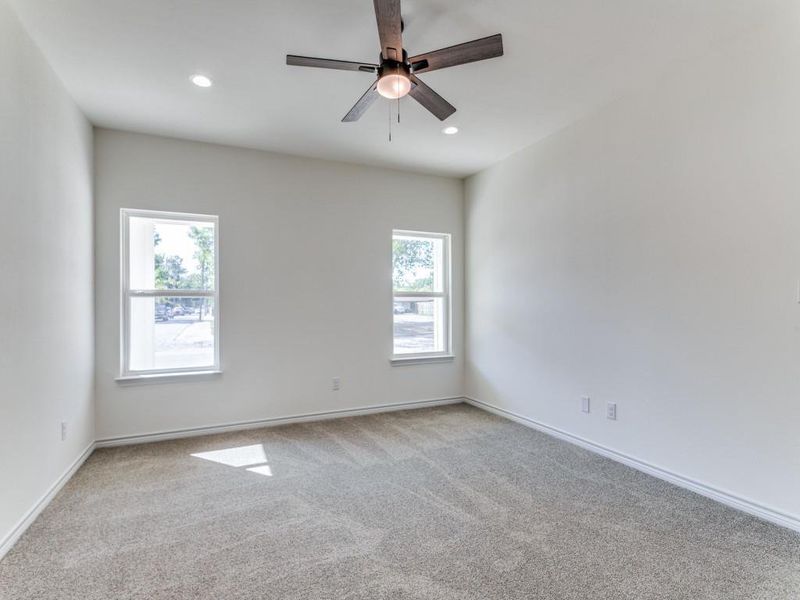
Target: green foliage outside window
{"x": 412, "y": 262}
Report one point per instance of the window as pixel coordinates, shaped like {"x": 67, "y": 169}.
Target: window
{"x": 421, "y": 299}
{"x": 170, "y": 293}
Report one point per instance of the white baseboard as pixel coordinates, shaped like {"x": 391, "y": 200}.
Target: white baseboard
{"x": 272, "y": 422}
{"x": 9, "y": 540}
{"x": 727, "y": 498}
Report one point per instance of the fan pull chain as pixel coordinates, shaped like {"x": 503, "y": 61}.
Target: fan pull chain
{"x": 390, "y": 121}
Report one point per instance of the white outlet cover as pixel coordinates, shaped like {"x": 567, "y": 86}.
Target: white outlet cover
{"x": 612, "y": 411}
{"x": 585, "y": 404}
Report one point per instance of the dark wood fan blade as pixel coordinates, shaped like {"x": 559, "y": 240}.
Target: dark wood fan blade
{"x": 327, "y": 63}
{"x": 363, "y": 104}
{"x": 423, "y": 94}
{"x": 390, "y": 28}
{"x": 488, "y": 47}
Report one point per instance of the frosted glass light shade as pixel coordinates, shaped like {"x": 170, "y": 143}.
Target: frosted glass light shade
{"x": 394, "y": 86}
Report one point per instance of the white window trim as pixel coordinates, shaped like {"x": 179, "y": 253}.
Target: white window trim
{"x": 126, "y": 374}
{"x": 445, "y": 355}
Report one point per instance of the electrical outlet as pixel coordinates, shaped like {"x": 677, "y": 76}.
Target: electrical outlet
{"x": 585, "y": 404}
{"x": 337, "y": 384}
{"x": 63, "y": 430}
{"x": 611, "y": 411}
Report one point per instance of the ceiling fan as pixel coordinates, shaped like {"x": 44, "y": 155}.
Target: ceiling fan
{"x": 397, "y": 73}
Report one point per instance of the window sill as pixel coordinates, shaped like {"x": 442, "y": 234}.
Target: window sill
{"x": 168, "y": 377}
{"x": 398, "y": 361}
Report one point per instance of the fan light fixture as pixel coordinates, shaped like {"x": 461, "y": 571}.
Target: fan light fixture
{"x": 394, "y": 86}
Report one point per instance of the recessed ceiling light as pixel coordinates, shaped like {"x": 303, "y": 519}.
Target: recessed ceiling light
{"x": 450, "y": 130}
{"x": 202, "y": 81}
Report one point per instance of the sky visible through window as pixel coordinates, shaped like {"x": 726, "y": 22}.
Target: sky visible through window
{"x": 174, "y": 241}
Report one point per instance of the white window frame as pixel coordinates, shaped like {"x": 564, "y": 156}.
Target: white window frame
{"x": 126, "y": 293}
{"x": 445, "y": 295}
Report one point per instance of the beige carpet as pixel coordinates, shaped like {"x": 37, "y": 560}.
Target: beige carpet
{"x": 449, "y": 503}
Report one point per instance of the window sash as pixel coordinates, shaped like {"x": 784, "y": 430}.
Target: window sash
{"x": 420, "y": 294}
{"x": 172, "y": 293}
{"x": 162, "y": 217}
{"x": 206, "y": 366}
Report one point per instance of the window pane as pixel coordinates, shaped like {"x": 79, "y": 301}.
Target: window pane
{"x": 417, "y": 264}
{"x": 171, "y": 333}
{"x": 419, "y": 325}
{"x": 171, "y": 255}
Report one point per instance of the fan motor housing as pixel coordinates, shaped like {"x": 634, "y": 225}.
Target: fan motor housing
{"x": 388, "y": 66}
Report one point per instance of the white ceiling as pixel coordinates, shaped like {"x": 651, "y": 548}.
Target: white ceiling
{"x": 127, "y": 63}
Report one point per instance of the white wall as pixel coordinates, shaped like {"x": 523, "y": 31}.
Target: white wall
{"x": 46, "y": 303}
{"x": 649, "y": 255}
{"x": 305, "y": 251}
